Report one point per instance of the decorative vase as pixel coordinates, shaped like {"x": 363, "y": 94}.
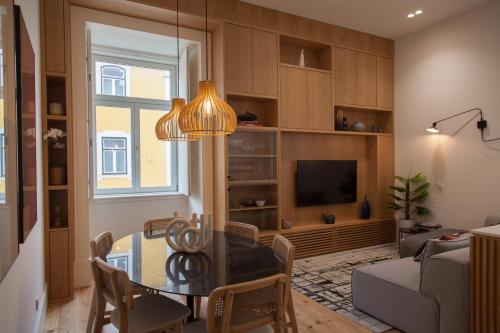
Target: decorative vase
{"x": 57, "y": 176}
{"x": 406, "y": 224}
{"x": 345, "y": 124}
{"x": 365, "y": 210}
{"x": 56, "y": 109}
{"x": 247, "y": 116}
{"x": 286, "y": 224}
{"x": 329, "y": 219}
{"x": 302, "y": 62}
{"x": 190, "y": 236}
{"x": 358, "y": 126}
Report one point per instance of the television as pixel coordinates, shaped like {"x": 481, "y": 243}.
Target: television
{"x": 326, "y": 182}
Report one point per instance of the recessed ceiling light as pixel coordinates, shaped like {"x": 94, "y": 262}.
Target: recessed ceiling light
{"x": 411, "y": 15}
{"x": 418, "y": 12}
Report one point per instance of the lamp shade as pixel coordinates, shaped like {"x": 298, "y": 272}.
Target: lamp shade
{"x": 167, "y": 127}
{"x": 207, "y": 114}
{"x": 433, "y": 129}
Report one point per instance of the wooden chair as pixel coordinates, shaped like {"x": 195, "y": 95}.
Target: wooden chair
{"x": 243, "y": 230}
{"x": 285, "y": 251}
{"x": 144, "y": 314}
{"x": 246, "y": 307}
{"x": 158, "y": 226}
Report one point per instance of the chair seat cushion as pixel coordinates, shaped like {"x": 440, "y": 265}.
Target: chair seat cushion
{"x": 390, "y": 291}
{"x": 151, "y": 313}
{"x": 200, "y": 327}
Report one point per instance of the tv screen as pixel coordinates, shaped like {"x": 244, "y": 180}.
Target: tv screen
{"x": 326, "y": 182}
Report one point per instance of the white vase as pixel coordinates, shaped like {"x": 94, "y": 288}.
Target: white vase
{"x": 302, "y": 62}
{"x": 406, "y": 224}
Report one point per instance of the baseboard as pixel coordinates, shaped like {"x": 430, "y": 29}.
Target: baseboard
{"x": 41, "y": 313}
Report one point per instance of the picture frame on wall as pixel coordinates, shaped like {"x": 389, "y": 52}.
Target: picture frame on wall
{"x": 26, "y": 126}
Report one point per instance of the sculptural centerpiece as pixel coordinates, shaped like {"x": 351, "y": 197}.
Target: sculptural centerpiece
{"x": 190, "y": 236}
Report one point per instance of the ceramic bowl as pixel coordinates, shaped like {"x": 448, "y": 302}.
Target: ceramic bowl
{"x": 260, "y": 203}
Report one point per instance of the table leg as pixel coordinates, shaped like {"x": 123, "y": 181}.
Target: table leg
{"x": 190, "y": 305}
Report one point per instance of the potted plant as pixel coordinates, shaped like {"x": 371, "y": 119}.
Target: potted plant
{"x": 57, "y": 173}
{"x": 409, "y": 197}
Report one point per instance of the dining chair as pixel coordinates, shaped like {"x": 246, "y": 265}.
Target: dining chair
{"x": 158, "y": 225}
{"x": 242, "y": 229}
{"x": 144, "y": 314}
{"x": 246, "y": 307}
{"x": 285, "y": 252}
{"x": 100, "y": 247}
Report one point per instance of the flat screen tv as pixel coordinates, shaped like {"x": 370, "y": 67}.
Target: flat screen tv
{"x": 326, "y": 182}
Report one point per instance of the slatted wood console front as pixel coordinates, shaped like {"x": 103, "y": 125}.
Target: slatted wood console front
{"x": 313, "y": 240}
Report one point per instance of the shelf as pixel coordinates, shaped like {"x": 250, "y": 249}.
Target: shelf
{"x": 57, "y": 117}
{"x": 316, "y": 226}
{"x": 255, "y": 96}
{"x": 251, "y": 208}
{"x": 252, "y": 182}
{"x": 306, "y": 68}
{"x": 57, "y": 187}
{"x": 257, "y": 129}
{"x": 55, "y": 74}
{"x": 252, "y": 156}
{"x": 58, "y": 228}
{"x": 363, "y": 108}
{"x": 299, "y": 130}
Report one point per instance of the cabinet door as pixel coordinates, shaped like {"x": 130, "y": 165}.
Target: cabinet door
{"x": 265, "y": 63}
{"x": 366, "y": 79}
{"x": 54, "y": 30}
{"x": 239, "y": 59}
{"x": 385, "y": 82}
{"x": 59, "y": 264}
{"x": 293, "y": 98}
{"x": 319, "y": 101}
{"x": 344, "y": 71}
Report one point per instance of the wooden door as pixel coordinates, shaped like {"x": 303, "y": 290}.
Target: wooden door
{"x": 344, "y": 71}
{"x": 265, "y": 63}
{"x": 385, "y": 82}
{"x": 366, "y": 79}
{"x": 239, "y": 57}
{"x": 319, "y": 100}
{"x": 293, "y": 97}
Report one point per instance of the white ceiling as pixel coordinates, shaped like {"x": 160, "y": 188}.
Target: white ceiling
{"x": 386, "y": 18}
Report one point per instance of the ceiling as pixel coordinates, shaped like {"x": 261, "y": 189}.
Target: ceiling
{"x": 386, "y": 18}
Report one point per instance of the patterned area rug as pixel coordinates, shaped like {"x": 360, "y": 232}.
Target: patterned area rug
{"x": 326, "y": 279}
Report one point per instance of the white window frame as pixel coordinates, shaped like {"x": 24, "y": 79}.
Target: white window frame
{"x": 133, "y": 143}
{"x": 114, "y": 79}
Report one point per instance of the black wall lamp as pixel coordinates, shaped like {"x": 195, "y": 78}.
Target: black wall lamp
{"x": 481, "y": 123}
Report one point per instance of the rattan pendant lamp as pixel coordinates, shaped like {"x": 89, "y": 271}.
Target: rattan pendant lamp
{"x": 167, "y": 127}
{"x": 207, "y": 114}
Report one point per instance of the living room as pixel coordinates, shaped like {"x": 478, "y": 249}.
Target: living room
{"x": 256, "y": 165}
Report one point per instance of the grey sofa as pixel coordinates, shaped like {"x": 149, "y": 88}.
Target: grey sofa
{"x": 434, "y": 300}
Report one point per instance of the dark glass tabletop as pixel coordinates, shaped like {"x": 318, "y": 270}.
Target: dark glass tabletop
{"x": 228, "y": 259}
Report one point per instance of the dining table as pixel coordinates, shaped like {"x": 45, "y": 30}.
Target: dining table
{"x": 228, "y": 259}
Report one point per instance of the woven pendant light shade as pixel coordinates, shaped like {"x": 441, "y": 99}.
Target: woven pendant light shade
{"x": 167, "y": 127}
{"x": 207, "y": 114}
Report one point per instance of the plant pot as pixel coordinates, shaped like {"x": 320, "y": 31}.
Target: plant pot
{"x": 406, "y": 224}
{"x": 57, "y": 176}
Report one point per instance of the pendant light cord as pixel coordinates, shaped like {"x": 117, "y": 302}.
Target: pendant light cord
{"x": 206, "y": 38}
{"x": 178, "y": 54}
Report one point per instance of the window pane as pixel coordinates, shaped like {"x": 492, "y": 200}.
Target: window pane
{"x": 113, "y": 143}
{"x": 113, "y": 122}
{"x": 107, "y": 87}
{"x": 108, "y": 161}
{"x": 113, "y": 71}
{"x": 121, "y": 161}
{"x": 155, "y": 155}
{"x": 119, "y": 87}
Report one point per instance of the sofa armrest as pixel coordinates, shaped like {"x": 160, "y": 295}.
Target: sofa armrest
{"x": 445, "y": 278}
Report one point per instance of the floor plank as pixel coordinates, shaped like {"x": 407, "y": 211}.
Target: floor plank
{"x": 71, "y": 317}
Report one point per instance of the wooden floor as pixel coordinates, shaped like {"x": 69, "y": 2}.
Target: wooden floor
{"x": 71, "y": 317}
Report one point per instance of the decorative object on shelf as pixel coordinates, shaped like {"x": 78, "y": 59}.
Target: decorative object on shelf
{"x": 207, "y": 114}
{"x": 251, "y": 124}
{"x": 329, "y": 219}
{"x": 57, "y": 176}
{"x": 410, "y": 198}
{"x": 56, "y": 109}
{"x": 365, "y": 213}
{"x": 190, "y": 236}
{"x": 345, "y": 124}
{"x": 374, "y": 129}
{"x": 260, "y": 203}
{"x": 302, "y": 61}
{"x": 247, "y": 203}
{"x": 358, "y": 126}
{"x": 247, "y": 116}
{"x": 339, "y": 124}
{"x": 56, "y": 220}
{"x": 54, "y": 136}
{"x": 167, "y": 127}
{"x": 286, "y": 224}
{"x": 482, "y": 124}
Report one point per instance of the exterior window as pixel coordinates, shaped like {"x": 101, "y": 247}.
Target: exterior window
{"x": 114, "y": 156}
{"x": 2, "y": 155}
{"x": 112, "y": 80}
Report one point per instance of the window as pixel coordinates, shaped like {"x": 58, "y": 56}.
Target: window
{"x": 129, "y": 98}
{"x": 112, "y": 80}
{"x": 114, "y": 156}
{"x": 2, "y": 155}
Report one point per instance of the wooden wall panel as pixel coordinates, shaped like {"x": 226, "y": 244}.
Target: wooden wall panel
{"x": 55, "y": 29}
{"x": 366, "y": 79}
{"x": 239, "y": 59}
{"x": 293, "y": 97}
{"x": 265, "y": 63}
{"x": 385, "y": 164}
{"x": 319, "y": 101}
{"x": 385, "y": 82}
{"x": 59, "y": 283}
{"x": 344, "y": 73}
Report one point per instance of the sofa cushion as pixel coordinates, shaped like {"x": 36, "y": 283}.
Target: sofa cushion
{"x": 389, "y": 291}
{"x": 411, "y": 244}
{"x": 436, "y": 246}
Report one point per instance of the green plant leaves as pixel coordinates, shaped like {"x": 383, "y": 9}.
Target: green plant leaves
{"x": 411, "y": 195}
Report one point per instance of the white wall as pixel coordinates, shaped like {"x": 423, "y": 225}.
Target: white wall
{"x": 25, "y": 281}
{"x": 440, "y": 71}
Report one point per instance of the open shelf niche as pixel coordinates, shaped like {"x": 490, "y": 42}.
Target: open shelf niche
{"x": 266, "y": 109}
{"x": 316, "y": 55}
{"x": 375, "y": 121}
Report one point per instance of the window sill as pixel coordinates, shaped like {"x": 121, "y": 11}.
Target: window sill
{"x": 113, "y": 198}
